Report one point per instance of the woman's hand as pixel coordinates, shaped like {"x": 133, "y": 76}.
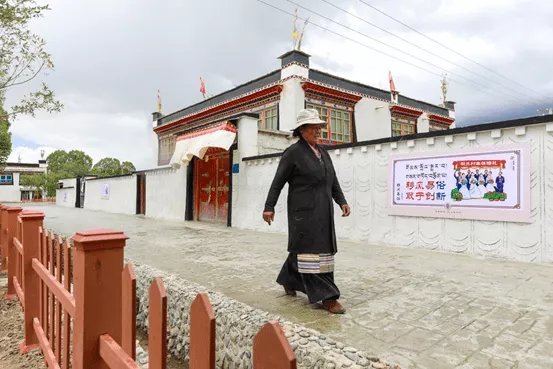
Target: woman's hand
{"x": 269, "y": 216}
{"x": 346, "y": 211}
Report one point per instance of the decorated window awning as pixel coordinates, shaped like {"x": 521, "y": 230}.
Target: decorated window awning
{"x": 317, "y": 91}
{"x": 405, "y": 111}
{"x": 441, "y": 119}
{"x": 197, "y": 142}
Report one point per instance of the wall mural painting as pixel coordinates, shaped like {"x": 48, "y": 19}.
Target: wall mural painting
{"x": 485, "y": 184}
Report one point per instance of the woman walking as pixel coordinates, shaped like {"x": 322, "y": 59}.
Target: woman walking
{"x": 312, "y": 185}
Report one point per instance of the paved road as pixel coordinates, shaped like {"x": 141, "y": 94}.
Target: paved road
{"x": 417, "y": 308}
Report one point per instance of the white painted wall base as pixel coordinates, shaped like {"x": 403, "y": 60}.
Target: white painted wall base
{"x": 122, "y": 194}
{"x": 66, "y": 196}
{"x": 166, "y": 193}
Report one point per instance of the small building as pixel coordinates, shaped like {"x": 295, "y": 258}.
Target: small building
{"x": 11, "y": 190}
{"x": 256, "y": 117}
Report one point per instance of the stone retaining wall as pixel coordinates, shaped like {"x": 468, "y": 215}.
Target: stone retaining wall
{"x": 237, "y": 324}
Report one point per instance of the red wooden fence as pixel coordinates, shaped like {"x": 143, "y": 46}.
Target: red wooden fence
{"x": 202, "y": 334}
{"x": 79, "y": 302}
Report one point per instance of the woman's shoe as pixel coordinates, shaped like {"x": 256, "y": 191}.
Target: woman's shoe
{"x": 289, "y": 292}
{"x": 333, "y": 306}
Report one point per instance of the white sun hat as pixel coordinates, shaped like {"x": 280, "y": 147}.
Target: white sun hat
{"x": 308, "y": 116}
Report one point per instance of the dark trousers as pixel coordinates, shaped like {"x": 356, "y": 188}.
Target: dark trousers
{"x": 317, "y": 287}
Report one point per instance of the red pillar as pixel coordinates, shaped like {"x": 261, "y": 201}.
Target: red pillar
{"x": 3, "y": 247}
{"x": 11, "y": 225}
{"x": 31, "y": 222}
{"x": 98, "y": 266}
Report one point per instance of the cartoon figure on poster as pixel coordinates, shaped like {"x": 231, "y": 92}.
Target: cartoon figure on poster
{"x": 478, "y": 182}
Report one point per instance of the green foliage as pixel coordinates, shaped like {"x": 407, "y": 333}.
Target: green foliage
{"x": 23, "y": 56}
{"x": 456, "y": 195}
{"x": 35, "y": 181}
{"x": 495, "y": 196}
{"x": 46, "y": 183}
{"x": 74, "y": 163}
{"x": 127, "y": 167}
{"x": 107, "y": 167}
{"x": 5, "y": 138}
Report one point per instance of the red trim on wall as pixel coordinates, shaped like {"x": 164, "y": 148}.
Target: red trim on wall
{"x": 441, "y": 119}
{"x": 219, "y": 108}
{"x": 311, "y": 87}
{"x": 404, "y": 110}
{"x": 224, "y": 126}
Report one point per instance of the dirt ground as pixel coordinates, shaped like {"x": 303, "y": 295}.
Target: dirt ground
{"x": 11, "y": 334}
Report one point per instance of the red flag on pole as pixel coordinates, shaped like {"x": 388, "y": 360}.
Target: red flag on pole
{"x": 392, "y": 84}
{"x": 202, "y": 87}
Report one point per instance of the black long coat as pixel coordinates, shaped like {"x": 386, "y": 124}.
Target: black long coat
{"x": 312, "y": 185}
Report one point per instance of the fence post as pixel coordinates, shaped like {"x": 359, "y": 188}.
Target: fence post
{"x": 128, "y": 335}
{"x": 3, "y": 247}
{"x": 157, "y": 325}
{"x": 271, "y": 349}
{"x": 30, "y": 238}
{"x": 202, "y": 333}
{"x": 97, "y": 279}
{"x": 11, "y": 227}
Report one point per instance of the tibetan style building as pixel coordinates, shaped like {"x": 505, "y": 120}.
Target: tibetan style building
{"x": 256, "y": 118}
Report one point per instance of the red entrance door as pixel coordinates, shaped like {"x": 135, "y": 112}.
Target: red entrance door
{"x": 212, "y": 186}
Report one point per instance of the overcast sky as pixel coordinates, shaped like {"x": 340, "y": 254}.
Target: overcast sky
{"x": 111, "y": 57}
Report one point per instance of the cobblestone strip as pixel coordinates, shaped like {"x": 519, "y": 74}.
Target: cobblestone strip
{"x": 237, "y": 323}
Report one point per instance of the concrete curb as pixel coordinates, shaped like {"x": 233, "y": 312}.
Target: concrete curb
{"x": 237, "y": 324}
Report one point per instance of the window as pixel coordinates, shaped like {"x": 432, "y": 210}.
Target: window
{"x": 438, "y": 126}
{"x": 6, "y": 179}
{"x": 166, "y": 149}
{"x": 403, "y": 125}
{"x": 268, "y": 119}
{"x": 338, "y": 128}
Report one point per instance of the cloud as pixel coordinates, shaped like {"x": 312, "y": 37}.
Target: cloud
{"x": 30, "y": 154}
{"x": 112, "y": 57}
{"x": 123, "y": 135}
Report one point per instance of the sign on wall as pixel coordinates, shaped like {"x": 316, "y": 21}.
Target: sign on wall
{"x": 491, "y": 184}
{"x": 105, "y": 191}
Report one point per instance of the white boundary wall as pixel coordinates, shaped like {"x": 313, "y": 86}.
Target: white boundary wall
{"x": 166, "y": 193}
{"x": 11, "y": 193}
{"x": 363, "y": 175}
{"x": 67, "y": 195}
{"x": 121, "y": 198}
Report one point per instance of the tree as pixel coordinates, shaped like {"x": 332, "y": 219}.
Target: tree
{"x": 127, "y": 167}
{"x": 112, "y": 167}
{"x": 74, "y": 163}
{"x": 107, "y": 167}
{"x": 45, "y": 183}
{"x": 37, "y": 182}
{"x": 5, "y": 138}
{"x": 23, "y": 57}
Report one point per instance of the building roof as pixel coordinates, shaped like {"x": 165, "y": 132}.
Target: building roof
{"x": 24, "y": 168}
{"x": 22, "y": 165}
{"x": 227, "y": 95}
{"x": 314, "y": 75}
{"x": 346, "y": 84}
